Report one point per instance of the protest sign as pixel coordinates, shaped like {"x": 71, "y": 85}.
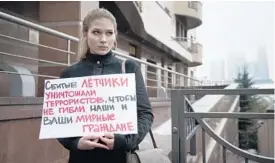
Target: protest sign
{"x": 90, "y": 105}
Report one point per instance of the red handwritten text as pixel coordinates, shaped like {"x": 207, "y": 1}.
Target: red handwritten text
{"x": 82, "y": 101}
{"x": 72, "y": 109}
{"x": 48, "y": 111}
{"x": 105, "y": 82}
{"x": 95, "y": 118}
{"x": 66, "y": 94}
{"x": 121, "y": 127}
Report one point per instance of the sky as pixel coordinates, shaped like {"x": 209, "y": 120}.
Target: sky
{"x": 234, "y": 28}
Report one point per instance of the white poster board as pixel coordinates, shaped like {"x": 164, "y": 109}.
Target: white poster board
{"x": 89, "y": 105}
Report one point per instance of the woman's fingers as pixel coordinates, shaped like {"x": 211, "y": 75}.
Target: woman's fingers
{"x": 96, "y": 145}
{"x": 95, "y": 140}
{"x": 90, "y": 137}
{"x": 108, "y": 141}
{"x": 90, "y": 142}
{"x": 105, "y": 140}
{"x": 109, "y": 135}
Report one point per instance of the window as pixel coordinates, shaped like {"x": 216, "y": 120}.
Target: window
{"x": 181, "y": 32}
{"x": 132, "y": 50}
{"x": 178, "y": 30}
{"x": 192, "y": 74}
{"x": 163, "y": 83}
{"x": 185, "y": 34}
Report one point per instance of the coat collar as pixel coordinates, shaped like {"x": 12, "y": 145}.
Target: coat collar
{"x": 98, "y": 59}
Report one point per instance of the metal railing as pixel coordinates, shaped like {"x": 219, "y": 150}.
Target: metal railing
{"x": 158, "y": 79}
{"x": 185, "y": 123}
{"x": 218, "y": 82}
{"x": 185, "y": 42}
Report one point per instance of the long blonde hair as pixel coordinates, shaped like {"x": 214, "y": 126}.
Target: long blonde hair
{"x": 90, "y": 17}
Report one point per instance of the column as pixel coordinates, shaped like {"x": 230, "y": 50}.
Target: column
{"x": 165, "y": 76}
{"x": 183, "y": 79}
{"x": 143, "y": 68}
{"x": 158, "y": 71}
{"x": 185, "y": 71}
{"x": 160, "y": 92}
{"x": 174, "y": 75}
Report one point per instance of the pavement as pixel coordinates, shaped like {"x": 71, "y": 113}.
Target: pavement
{"x": 161, "y": 116}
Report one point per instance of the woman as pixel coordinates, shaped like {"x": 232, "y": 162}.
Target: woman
{"x": 96, "y": 58}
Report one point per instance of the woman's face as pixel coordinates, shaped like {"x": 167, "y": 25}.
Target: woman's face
{"x": 101, "y": 36}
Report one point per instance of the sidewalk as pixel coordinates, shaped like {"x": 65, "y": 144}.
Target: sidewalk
{"x": 162, "y": 135}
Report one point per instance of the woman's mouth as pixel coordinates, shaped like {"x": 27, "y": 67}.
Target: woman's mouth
{"x": 103, "y": 47}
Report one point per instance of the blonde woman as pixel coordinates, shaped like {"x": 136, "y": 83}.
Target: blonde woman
{"x": 96, "y": 58}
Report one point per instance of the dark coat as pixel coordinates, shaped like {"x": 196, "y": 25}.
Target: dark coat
{"x": 109, "y": 64}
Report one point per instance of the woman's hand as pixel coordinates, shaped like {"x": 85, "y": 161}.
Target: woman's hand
{"x": 108, "y": 139}
{"x": 90, "y": 142}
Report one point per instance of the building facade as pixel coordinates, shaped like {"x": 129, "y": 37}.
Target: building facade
{"x": 161, "y": 33}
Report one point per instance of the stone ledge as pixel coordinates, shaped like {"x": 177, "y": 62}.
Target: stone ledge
{"x": 4, "y": 101}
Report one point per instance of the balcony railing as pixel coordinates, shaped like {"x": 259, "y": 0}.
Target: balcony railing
{"x": 185, "y": 42}
{"x": 193, "y": 47}
{"x": 185, "y": 124}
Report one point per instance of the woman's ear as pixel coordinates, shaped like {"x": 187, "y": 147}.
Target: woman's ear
{"x": 85, "y": 35}
{"x": 115, "y": 45}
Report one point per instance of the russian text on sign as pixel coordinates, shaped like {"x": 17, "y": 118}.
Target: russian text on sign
{"x": 89, "y": 105}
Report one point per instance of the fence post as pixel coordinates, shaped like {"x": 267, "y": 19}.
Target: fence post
{"x": 175, "y": 98}
{"x": 178, "y": 127}
{"x": 183, "y": 126}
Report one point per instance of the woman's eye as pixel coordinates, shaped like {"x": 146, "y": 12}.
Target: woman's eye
{"x": 110, "y": 33}
{"x": 95, "y": 32}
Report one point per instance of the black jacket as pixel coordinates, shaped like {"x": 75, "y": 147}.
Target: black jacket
{"x": 109, "y": 64}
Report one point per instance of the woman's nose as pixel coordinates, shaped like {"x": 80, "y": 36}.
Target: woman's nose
{"x": 103, "y": 39}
